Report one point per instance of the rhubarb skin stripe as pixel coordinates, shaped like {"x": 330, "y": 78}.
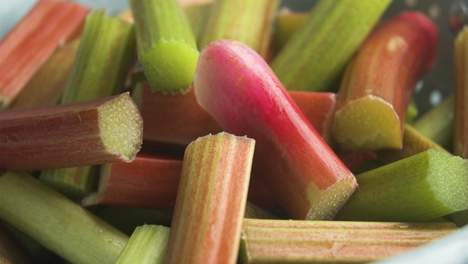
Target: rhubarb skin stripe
{"x": 461, "y": 94}
{"x": 71, "y": 135}
{"x": 185, "y": 120}
{"x": 236, "y": 86}
{"x": 279, "y": 241}
{"x": 28, "y": 46}
{"x": 211, "y": 200}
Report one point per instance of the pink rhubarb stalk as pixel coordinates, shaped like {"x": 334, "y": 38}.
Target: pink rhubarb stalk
{"x": 236, "y": 86}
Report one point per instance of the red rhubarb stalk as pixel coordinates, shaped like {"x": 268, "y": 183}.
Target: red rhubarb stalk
{"x": 378, "y": 83}
{"x": 28, "y": 46}
{"x": 184, "y": 120}
{"x": 97, "y": 132}
{"x": 236, "y": 86}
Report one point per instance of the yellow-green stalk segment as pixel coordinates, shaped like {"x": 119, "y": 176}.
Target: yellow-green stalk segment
{"x": 316, "y": 54}
{"x": 147, "y": 245}
{"x": 56, "y": 222}
{"x": 197, "y": 16}
{"x": 104, "y": 57}
{"x": 167, "y": 48}
{"x": 286, "y": 24}
{"x": 437, "y": 124}
{"x": 211, "y": 200}
{"x": 286, "y": 241}
{"x": 423, "y": 187}
{"x": 247, "y": 21}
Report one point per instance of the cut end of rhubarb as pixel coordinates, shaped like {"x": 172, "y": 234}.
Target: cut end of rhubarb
{"x": 121, "y": 127}
{"x": 333, "y": 197}
{"x": 367, "y": 123}
{"x": 166, "y": 72}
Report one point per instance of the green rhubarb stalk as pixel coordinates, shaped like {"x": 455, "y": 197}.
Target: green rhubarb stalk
{"x": 318, "y": 52}
{"x": 197, "y": 16}
{"x": 147, "y": 245}
{"x": 247, "y": 21}
{"x": 104, "y": 57}
{"x": 56, "y": 222}
{"x": 422, "y": 187}
{"x": 437, "y": 124}
{"x": 287, "y": 23}
{"x": 166, "y": 46}
{"x": 286, "y": 241}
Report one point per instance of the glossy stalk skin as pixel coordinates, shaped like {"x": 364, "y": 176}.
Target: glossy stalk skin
{"x": 31, "y": 43}
{"x": 247, "y": 21}
{"x": 56, "y": 222}
{"x": 10, "y": 253}
{"x": 184, "y": 120}
{"x": 333, "y": 241}
{"x": 460, "y": 145}
{"x": 48, "y": 84}
{"x": 378, "y": 84}
{"x": 70, "y": 135}
{"x": 211, "y": 200}
{"x": 308, "y": 179}
{"x": 167, "y": 48}
{"x": 318, "y": 52}
{"x": 437, "y": 124}
{"x": 148, "y": 181}
{"x": 423, "y": 187}
{"x": 147, "y": 245}
{"x": 287, "y": 23}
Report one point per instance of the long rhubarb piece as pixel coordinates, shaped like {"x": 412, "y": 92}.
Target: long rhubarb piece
{"x": 422, "y": 187}
{"x": 437, "y": 124}
{"x": 146, "y": 182}
{"x": 48, "y": 84}
{"x": 306, "y": 176}
{"x": 147, "y": 245}
{"x": 247, "y": 21}
{"x": 56, "y": 222}
{"x": 318, "y": 52}
{"x": 184, "y": 120}
{"x": 28, "y": 46}
{"x": 378, "y": 84}
{"x": 211, "y": 200}
{"x": 71, "y": 135}
{"x": 287, "y": 23}
{"x": 461, "y": 98}
{"x": 166, "y": 46}
{"x": 334, "y": 241}
{"x": 10, "y": 253}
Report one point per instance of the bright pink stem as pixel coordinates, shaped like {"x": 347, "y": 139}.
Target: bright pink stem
{"x": 236, "y": 86}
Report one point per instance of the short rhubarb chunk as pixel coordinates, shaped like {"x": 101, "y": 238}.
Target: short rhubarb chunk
{"x": 279, "y": 241}
{"x": 236, "y": 86}
{"x": 422, "y": 187}
{"x": 461, "y": 98}
{"x": 147, "y": 245}
{"x": 317, "y": 53}
{"x": 211, "y": 200}
{"x": 105, "y": 130}
{"x": 378, "y": 84}
{"x": 31, "y": 43}
{"x": 167, "y": 48}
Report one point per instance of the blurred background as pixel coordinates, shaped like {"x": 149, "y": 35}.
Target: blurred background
{"x": 436, "y": 85}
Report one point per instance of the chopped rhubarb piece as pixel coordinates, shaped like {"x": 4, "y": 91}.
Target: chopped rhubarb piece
{"x": 236, "y": 86}
{"x": 27, "y": 47}
{"x": 378, "y": 84}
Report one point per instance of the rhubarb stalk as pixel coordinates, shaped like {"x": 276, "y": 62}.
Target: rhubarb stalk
{"x": 334, "y": 241}
{"x": 56, "y": 222}
{"x": 461, "y": 98}
{"x": 378, "y": 84}
{"x": 166, "y": 46}
{"x": 318, "y": 52}
{"x": 287, "y": 23}
{"x": 70, "y": 135}
{"x": 28, "y": 46}
{"x": 308, "y": 179}
{"x": 211, "y": 200}
{"x": 422, "y": 187}
{"x": 184, "y": 120}
{"x": 247, "y": 21}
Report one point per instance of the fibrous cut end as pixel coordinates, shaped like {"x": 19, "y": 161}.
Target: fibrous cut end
{"x": 121, "y": 127}
{"x": 367, "y": 123}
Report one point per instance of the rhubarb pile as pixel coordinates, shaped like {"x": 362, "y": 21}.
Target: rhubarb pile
{"x": 172, "y": 133}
